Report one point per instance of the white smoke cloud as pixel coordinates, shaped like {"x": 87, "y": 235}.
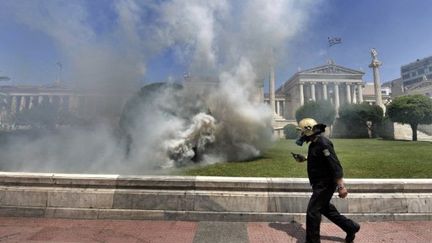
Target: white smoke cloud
{"x": 233, "y": 42}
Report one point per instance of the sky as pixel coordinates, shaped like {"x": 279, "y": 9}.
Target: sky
{"x": 112, "y": 40}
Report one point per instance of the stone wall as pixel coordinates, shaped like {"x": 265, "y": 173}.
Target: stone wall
{"x": 425, "y": 129}
{"x": 203, "y": 198}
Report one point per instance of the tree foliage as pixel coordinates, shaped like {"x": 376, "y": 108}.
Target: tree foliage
{"x": 321, "y": 111}
{"x": 359, "y": 120}
{"x": 290, "y": 131}
{"x": 412, "y": 110}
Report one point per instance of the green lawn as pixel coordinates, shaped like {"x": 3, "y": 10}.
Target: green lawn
{"x": 360, "y": 158}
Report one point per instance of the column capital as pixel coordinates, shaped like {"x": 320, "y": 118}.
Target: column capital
{"x": 375, "y": 64}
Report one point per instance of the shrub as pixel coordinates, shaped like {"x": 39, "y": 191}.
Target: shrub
{"x": 322, "y": 111}
{"x": 290, "y": 131}
{"x": 357, "y": 120}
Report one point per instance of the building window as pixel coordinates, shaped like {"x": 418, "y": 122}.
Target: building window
{"x": 420, "y": 71}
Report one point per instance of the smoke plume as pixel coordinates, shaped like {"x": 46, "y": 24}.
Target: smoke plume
{"x": 226, "y": 46}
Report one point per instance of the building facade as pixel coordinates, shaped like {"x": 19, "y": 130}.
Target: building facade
{"x": 424, "y": 87}
{"x": 413, "y": 73}
{"x": 331, "y": 82}
{"x": 15, "y": 99}
{"x": 369, "y": 93}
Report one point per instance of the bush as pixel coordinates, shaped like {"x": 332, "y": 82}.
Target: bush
{"x": 322, "y": 111}
{"x": 357, "y": 120}
{"x": 290, "y": 131}
{"x": 385, "y": 129}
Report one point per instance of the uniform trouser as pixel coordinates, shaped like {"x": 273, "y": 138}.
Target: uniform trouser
{"x": 320, "y": 204}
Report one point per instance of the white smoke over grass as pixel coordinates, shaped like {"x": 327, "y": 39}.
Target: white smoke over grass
{"x": 231, "y": 42}
{"x": 198, "y": 135}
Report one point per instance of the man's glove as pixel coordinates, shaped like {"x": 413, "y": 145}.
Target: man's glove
{"x": 298, "y": 157}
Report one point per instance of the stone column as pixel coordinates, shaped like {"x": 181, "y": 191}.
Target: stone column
{"x": 40, "y": 99}
{"x": 354, "y": 98}
{"x": 14, "y": 104}
{"x": 50, "y": 99}
{"x": 336, "y": 92}
{"x": 360, "y": 93}
{"x": 272, "y": 90}
{"x": 313, "y": 91}
{"x": 324, "y": 85}
{"x": 348, "y": 93}
{"x": 282, "y": 104}
{"x": 375, "y": 64}
{"x": 22, "y": 104}
{"x": 31, "y": 102}
{"x": 301, "y": 94}
{"x": 277, "y": 107}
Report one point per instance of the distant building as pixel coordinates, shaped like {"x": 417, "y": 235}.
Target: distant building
{"x": 413, "y": 73}
{"x": 19, "y": 98}
{"x": 424, "y": 87}
{"x": 396, "y": 87}
{"x": 331, "y": 82}
{"x": 369, "y": 93}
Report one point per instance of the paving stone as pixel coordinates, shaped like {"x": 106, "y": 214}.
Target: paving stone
{"x": 49, "y": 230}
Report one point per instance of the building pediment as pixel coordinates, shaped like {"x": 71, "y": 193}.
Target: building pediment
{"x": 331, "y": 69}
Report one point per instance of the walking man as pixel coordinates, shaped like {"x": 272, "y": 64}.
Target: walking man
{"x": 326, "y": 176}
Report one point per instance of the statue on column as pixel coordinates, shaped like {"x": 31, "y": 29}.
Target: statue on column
{"x": 375, "y": 62}
{"x": 374, "y": 53}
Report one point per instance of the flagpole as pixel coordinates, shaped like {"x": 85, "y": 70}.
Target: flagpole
{"x": 331, "y": 42}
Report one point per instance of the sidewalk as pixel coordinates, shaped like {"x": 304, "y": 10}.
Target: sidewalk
{"x": 123, "y": 231}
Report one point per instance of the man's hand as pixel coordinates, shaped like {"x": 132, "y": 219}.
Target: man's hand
{"x": 341, "y": 189}
{"x": 298, "y": 157}
{"x": 343, "y": 192}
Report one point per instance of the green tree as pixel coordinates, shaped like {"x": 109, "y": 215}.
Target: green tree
{"x": 290, "y": 131}
{"x": 412, "y": 110}
{"x": 359, "y": 119}
{"x": 321, "y": 111}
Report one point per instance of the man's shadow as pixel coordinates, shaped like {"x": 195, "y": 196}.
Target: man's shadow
{"x": 295, "y": 230}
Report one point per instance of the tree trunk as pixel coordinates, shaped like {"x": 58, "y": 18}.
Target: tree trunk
{"x": 414, "y": 131}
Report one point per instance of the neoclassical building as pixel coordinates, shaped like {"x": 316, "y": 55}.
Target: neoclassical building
{"x": 21, "y": 97}
{"x": 331, "y": 82}
{"x": 18, "y": 98}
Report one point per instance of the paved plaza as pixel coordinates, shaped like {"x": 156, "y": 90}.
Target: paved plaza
{"x": 67, "y": 230}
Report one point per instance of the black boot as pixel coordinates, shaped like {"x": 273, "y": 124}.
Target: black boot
{"x": 351, "y": 235}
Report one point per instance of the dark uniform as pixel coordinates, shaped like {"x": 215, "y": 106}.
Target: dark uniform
{"x": 324, "y": 169}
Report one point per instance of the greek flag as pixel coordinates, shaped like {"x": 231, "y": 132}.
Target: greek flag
{"x": 334, "y": 40}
